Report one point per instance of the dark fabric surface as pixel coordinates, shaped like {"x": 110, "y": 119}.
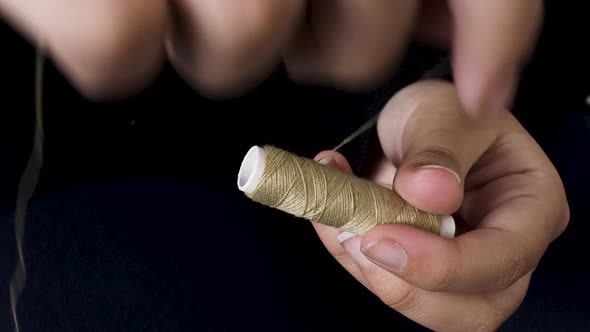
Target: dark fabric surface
{"x": 552, "y": 106}
{"x": 557, "y": 298}
{"x": 177, "y": 256}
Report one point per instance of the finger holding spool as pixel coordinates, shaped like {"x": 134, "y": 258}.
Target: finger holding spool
{"x": 325, "y": 195}
{"x": 425, "y": 133}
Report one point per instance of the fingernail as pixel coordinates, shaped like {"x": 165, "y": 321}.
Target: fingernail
{"x": 457, "y": 177}
{"x": 344, "y": 236}
{"x": 326, "y": 159}
{"x": 387, "y": 254}
{"x": 351, "y": 243}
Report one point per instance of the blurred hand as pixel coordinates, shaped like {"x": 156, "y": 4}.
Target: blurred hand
{"x": 353, "y": 44}
{"x": 507, "y": 198}
{"x": 110, "y": 48}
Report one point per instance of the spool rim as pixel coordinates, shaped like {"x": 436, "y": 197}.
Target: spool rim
{"x": 251, "y": 170}
{"x": 448, "y": 227}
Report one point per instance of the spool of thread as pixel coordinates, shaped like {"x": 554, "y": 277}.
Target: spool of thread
{"x": 306, "y": 189}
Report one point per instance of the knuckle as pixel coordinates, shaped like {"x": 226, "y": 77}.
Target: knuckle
{"x": 339, "y": 254}
{"x": 405, "y": 301}
{"x": 515, "y": 263}
{"x": 445, "y": 279}
{"x": 562, "y": 214}
{"x": 565, "y": 219}
{"x": 494, "y": 313}
{"x": 491, "y": 322}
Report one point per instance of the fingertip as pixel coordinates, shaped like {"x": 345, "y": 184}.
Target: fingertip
{"x": 414, "y": 255}
{"x": 417, "y": 243}
{"x": 322, "y": 157}
{"x": 333, "y": 159}
{"x": 492, "y": 41}
{"x": 482, "y": 91}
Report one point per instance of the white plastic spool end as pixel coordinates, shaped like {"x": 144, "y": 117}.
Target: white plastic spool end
{"x": 448, "y": 228}
{"x": 251, "y": 170}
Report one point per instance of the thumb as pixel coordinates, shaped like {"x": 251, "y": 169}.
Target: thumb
{"x": 425, "y": 132}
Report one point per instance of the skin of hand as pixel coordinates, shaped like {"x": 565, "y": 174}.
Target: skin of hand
{"x": 111, "y": 48}
{"x": 503, "y": 191}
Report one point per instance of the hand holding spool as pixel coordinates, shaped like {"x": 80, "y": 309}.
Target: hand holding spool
{"x": 512, "y": 202}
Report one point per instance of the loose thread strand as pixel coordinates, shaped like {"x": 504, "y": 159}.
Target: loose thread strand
{"x": 439, "y": 70}
{"x": 26, "y": 189}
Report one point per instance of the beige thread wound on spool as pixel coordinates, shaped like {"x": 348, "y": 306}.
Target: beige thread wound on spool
{"x": 322, "y": 194}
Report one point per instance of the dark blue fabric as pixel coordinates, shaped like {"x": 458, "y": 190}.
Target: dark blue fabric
{"x": 557, "y": 298}
{"x": 184, "y": 256}
{"x": 170, "y": 256}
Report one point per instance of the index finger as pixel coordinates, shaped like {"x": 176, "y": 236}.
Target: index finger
{"x": 486, "y": 259}
{"x": 491, "y": 42}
